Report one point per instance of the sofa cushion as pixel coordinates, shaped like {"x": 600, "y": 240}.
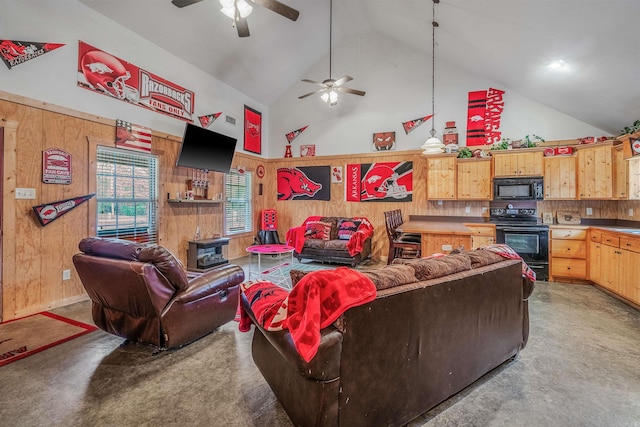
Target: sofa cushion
{"x": 296, "y": 275}
{"x": 391, "y": 276}
{"x": 333, "y": 220}
{"x": 346, "y": 228}
{"x": 318, "y": 230}
{"x": 334, "y": 245}
{"x": 431, "y": 268}
{"x": 480, "y": 258}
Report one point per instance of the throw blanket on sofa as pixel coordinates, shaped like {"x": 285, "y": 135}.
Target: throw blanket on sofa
{"x": 295, "y": 236}
{"x": 507, "y": 251}
{"x": 318, "y": 299}
{"x": 356, "y": 242}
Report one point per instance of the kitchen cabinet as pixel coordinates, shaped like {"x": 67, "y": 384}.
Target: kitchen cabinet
{"x": 568, "y": 252}
{"x": 629, "y": 280}
{"x": 619, "y": 258}
{"x": 518, "y": 162}
{"x": 633, "y": 167}
{"x": 595, "y": 172}
{"x": 595, "y": 255}
{"x": 481, "y": 234}
{"x": 560, "y": 178}
{"x": 620, "y": 173}
{"x": 473, "y": 179}
{"x": 441, "y": 177}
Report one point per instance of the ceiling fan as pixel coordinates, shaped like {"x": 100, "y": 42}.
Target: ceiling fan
{"x": 330, "y": 86}
{"x": 238, "y": 10}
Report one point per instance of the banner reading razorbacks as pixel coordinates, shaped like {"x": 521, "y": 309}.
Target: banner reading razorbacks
{"x": 304, "y": 183}
{"x": 379, "y": 182}
{"x": 483, "y": 116}
{"x": 49, "y": 212}
{"x": 15, "y": 52}
{"x": 103, "y": 73}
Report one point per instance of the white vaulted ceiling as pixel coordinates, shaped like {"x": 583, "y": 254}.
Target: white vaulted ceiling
{"x": 508, "y": 41}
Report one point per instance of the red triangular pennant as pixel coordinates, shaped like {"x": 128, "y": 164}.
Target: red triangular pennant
{"x": 49, "y": 212}
{"x": 14, "y": 52}
{"x": 412, "y": 124}
{"x": 293, "y": 135}
{"x": 205, "y": 121}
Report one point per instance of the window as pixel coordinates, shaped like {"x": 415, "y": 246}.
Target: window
{"x": 127, "y": 195}
{"x": 238, "y": 211}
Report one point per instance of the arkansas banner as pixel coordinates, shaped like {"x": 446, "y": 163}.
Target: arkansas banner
{"x": 49, "y": 212}
{"x": 379, "y": 182}
{"x": 14, "y": 52}
{"x": 483, "y": 117}
{"x": 304, "y": 183}
{"x": 133, "y": 137}
{"x": 412, "y": 124}
{"x": 205, "y": 121}
{"x": 103, "y": 73}
{"x": 294, "y": 134}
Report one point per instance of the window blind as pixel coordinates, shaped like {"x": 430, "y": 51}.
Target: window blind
{"x": 127, "y": 195}
{"x": 238, "y": 211}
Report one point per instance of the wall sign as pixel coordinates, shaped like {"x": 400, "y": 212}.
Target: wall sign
{"x": 379, "y": 182}
{"x": 49, "y": 212}
{"x": 252, "y": 130}
{"x": 56, "y": 166}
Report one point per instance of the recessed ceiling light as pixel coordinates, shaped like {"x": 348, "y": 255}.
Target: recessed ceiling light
{"x": 557, "y": 65}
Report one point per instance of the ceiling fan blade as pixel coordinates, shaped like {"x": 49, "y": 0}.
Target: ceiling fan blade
{"x": 312, "y": 93}
{"x": 351, "y": 91}
{"x": 279, "y": 8}
{"x": 183, "y": 3}
{"x": 242, "y": 27}
{"x": 313, "y": 82}
{"x": 342, "y": 80}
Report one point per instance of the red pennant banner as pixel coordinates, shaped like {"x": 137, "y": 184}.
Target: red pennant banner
{"x": 293, "y": 135}
{"x": 412, "y": 124}
{"x": 49, "y": 212}
{"x": 14, "y": 52}
{"x": 205, "y": 121}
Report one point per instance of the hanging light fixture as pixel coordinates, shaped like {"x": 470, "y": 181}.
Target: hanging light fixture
{"x": 229, "y": 8}
{"x": 433, "y": 145}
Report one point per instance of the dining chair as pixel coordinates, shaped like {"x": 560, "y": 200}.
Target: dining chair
{"x": 401, "y": 245}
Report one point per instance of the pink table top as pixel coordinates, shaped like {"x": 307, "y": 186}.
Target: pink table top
{"x": 270, "y": 249}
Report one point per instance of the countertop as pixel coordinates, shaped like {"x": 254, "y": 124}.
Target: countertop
{"x": 615, "y": 228}
{"x": 434, "y": 227}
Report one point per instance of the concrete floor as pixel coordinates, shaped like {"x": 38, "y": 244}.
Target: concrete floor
{"x": 581, "y": 367}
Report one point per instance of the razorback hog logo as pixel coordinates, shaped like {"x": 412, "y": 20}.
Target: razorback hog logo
{"x": 292, "y": 182}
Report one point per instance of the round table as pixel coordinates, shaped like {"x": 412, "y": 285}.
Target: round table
{"x": 273, "y": 273}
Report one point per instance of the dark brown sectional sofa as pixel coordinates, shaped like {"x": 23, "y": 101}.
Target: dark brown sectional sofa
{"x": 435, "y": 327}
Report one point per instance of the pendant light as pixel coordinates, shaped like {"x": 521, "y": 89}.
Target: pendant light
{"x": 433, "y": 145}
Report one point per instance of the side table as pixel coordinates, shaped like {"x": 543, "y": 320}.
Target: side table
{"x": 274, "y": 273}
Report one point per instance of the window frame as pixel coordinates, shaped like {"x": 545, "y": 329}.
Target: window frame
{"x": 249, "y": 214}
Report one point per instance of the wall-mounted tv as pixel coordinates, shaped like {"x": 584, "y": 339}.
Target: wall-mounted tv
{"x": 206, "y": 150}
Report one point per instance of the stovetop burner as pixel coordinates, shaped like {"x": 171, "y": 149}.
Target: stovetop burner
{"x": 514, "y": 213}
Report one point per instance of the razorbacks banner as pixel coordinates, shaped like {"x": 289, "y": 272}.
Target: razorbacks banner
{"x": 103, "y": 73}
{"x": 412, "y": 124}
{"x": 483, "y": 117}
{"x": 133, "y": 137}
{"x": 379, "y": 182}
{"x": 304, "y": 183}
{"x": 205, "y": 121}
{"x": 49, "y": 212}
{"x": 14, "y": 52}
{"x": 294, "y": 134}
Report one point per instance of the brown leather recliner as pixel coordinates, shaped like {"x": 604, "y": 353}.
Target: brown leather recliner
{"x": 142, "y": 293}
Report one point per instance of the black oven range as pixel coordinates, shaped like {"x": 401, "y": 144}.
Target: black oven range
{"x": 518, "y": 225}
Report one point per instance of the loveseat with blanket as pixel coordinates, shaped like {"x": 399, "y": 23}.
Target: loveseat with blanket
{"x": 433, "y": 327}
{"x": 332, "y": 239}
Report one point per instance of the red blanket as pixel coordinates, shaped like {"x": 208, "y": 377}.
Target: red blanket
{"x": 318, "y": 299}
{"x": 295, "y": 235}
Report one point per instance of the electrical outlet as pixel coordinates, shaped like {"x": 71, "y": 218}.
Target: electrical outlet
{"x": 467, "y": 209}
{"x": 447, "y": 248}
{"x": 589, "y": 211}
{"x": 25, "y": 193}
{"x": 630, "y": 211}
{"x": 484, "y": 209}
{"x": 66, "y": 274}
{"x": 439, "y": 202}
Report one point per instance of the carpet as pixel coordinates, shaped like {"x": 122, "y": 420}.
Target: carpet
{"x": 23, "y": 337}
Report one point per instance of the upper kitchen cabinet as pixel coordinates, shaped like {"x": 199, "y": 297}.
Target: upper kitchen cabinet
{"x": 620, "y": 173}
{"x": 441, "y": 177}
{"x": 634, "y": 177}
{"x": 560, "y": 178}
{"x": 474, "y": 179}
{"x": 595, "y": 171}
{"x": 518, "y": 162}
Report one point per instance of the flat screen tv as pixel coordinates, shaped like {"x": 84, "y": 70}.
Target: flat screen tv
{"x": 206, "y": 150}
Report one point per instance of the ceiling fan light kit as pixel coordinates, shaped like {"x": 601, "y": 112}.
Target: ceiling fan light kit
{"x": 229, "y": 8}
{"x": 331, "y": 87}
{"x": 433, "y": 145}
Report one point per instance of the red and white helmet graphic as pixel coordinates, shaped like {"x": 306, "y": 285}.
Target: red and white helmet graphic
{"x": 381, "y": 181}
{"x": 106, "y": 73}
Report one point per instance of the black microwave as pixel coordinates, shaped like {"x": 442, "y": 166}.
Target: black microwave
{"x": 530, "y": 188}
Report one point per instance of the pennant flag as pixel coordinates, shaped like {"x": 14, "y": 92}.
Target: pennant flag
{"x": 133, "y": 137}
{"x": 293, "y": 135}
{"x": 49, "y": 212}
{"x": 205, "y": 121}
{"x": 412, "y": 124}
{"x": 14, "y": 52}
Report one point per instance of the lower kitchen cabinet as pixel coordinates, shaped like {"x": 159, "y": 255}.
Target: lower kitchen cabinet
{"x": 481, "y": 234}
{"x": 568, "y": 252}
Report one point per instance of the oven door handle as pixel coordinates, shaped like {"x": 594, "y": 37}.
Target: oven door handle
{"x": 521, "y": 229}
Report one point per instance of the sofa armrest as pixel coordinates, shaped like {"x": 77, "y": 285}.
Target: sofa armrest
{"x": 527, "y": 287}
{"x": 211, "y": 282}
